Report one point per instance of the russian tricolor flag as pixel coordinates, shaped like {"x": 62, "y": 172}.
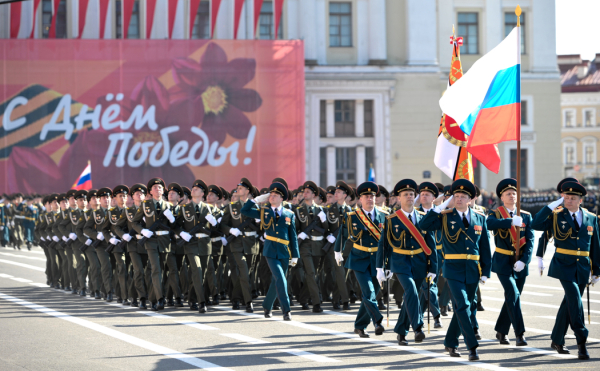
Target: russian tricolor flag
{"x": 486, "y": 101}
{"x": 85, "y": 179}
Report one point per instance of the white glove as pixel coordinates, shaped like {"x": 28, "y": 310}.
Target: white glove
{"x": 100, "y": 236}
{"x": 147, "y": 233}
{"x": 41, "y": 238}
{"x": 224, "y": 241}
{"x": 595, "y": 280}
{"x": 88, "y": 242}
{"x": 113, "y": 241}
{"x": 65, "y": 239}
{"x": 556, "y": 203}
{"x": 380, "y": 276}
{"x": 294, "y": 261}
{"x": 338, "y": 257}
{"x": 1, "y": 227}
{"x": 444, "y": 205}
{"x": 517, "y": 220}
{"x": 12, "y": 224}
{"x": 234, "y": 231}
{"x": 436, "y": 209}
{"x": 49, "y": 238}
{"x": 186, "y": 236}
{"x": 519, "y": 266}
{"x": 431, "y": 276}
{"x": 483, "y": 279}
{"x": 331, "y": 239}
{"x": 211, "y": 219}
{"x": 219, "y": 220}
{"x": 127, "y": 237}
{"x": 388, "y": 274}
{"x": 257, "y": 220}
{"x": 302, "y": 236}
{"x": 541, "y": 265}
{"x": 262, "y": 198}
{"x": 72, "y": 236}
{"x": 169, "y": 214}
{"x": 55, "y": 239}
{"x": 322, "y": 216}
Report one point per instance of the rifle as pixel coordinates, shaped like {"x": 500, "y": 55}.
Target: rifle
{"x": 121, "y": 245}
{"x": 241, "y": 227}
{"x": 313, "y": 226}
{"x": 96, "y": 243}
{"x": 328, "y": 245}
{"x": 110, "y": 248}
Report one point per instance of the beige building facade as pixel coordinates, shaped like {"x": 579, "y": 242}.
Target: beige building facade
{"x": 375, "y": 70}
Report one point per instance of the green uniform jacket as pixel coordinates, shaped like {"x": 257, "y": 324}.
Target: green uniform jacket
{"x": 149, "y": 213}
{"x": 247, "y": 242}
{"x": 304, "y": 217}
{"x": 187, "y": 219}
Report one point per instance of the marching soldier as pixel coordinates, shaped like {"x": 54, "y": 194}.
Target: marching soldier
{"x": 577, "y": 251}
{"x": 61, "y": 247}
{"x": 55, "y": 256}
{"x": 95, "y": 280}
{"x": 408, "y": 252}
{"x": 175, "y": 256}
{"x": 509, "y": 264}
{"x": 30, "y": 216}
{"x": 112, "y": 235}
{"x": 76, "y": 216}
{"x": 215, "y": 195}
{"x": 281, "y": 243}
{"x": 364, "y": 227}
{"x": 65, "y": 227}
{"x": 467, "y": 261}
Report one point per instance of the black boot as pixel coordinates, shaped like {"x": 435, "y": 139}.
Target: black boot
{"x": 143, "y": 305}
{"x": 178, "y": 303}
{"x": 444, "y": 310}
{"x": 582, "y": 352}
{"x": 336, "y": 305}
{"x": 480, "y": 307}
{"x": 134, "y": 302}
{"x": 161, "y": 304}
{"x": 453, "y": 352}
{"x": 202, "y": 308}
{"x": 170, "y": 303}
{"x": 419, "y": 335}
{"x": 346, "y": 306}
{"x": 154, "y": 307}
{"x": 437, "y": 322}
{"x": 119, "y": 300}
{"x": 109, "y": 297}
{"x": 126, "y": 302}
{"x": 477, "y": 334}
{"x": 97, "y": 296}
{"x": 216, "y": 300}
{"x": 193, "y": 306}
{"x": 560, "y": 348}
{"x": 502, "y": 339}
{"x": 521, "y": 342}
{"x": 249, "y": 307}
{"x": 473, "y": 356}
{"x": 317, "y": 308}
{"x": 268, "y": 313}
{"x": 402, "y": 340}
{"x": 82, "y": 292}
{"x": 236, "y": 305}
{"x": 305, "y": 306}
{"x": 380, "y": 305}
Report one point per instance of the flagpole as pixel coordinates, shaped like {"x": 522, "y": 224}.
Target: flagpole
{"x": 517, "y": 239}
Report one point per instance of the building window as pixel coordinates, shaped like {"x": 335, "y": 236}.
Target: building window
{"x": 323, "y": 118}
{"x": 201, "y": 28}
{"x": 513, "y": 166}
{"x": 340, "y": 24}
{"x": 569, "y": 118}
{"x": 369, "y": 161}
{"x": 588, "y": 118}
{"x": 510, "y": 22}
{"x": 344, "y": 118}
{"x": 589, "y": 155}
{"x": 266, "y": 22}
{"x": 524, "y": 113}
{"x": 345, "y": 165}
{"x": 61, "y": 19}
{"x": 323, "y": 166}
{"x": 368, "y": 118}
{"x": 468, "y": 28}
{"x": 569, "y": 155}
{"x": 133, "y": 32}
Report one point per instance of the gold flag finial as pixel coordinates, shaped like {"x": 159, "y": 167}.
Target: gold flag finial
{"x": 518, "y": 13}
{"x": 453, "y": 30}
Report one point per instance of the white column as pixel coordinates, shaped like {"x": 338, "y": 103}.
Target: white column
{"x": 224, "y": 24}
{"x": 329, "y": 118}
{"x": 446, "y": 18}
{"x": 321, "y": 14}
{"x": 292, "y": 19}
{"x": 359, "y": 118}
{"x": 377, "y": 31}
{"x": 543, "y": 39}
{"x": 307, "y": 28}
{"x": 494, "y": 21}
{"x": 361, "y": 167}
{"x": 331, "y": 170}
{"x": 362, "y": 32}
{"x": 421, "y": 30}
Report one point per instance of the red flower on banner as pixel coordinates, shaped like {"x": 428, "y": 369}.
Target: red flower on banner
{"x": 212, "y": 93}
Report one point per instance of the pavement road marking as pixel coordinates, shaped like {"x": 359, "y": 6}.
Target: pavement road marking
{"x": 21, "y": 280}
{"x": 537, "y": 331}
{"x": 534, "y": 304}
{"x": 4, "y": 275}
{"x": 246, "y": 339}
{"x": 526, "y": 293}
{"x": 23, "y": 265}
{"x": 193, "y": 361}
{"x": 39, "y": 284}
{"x": 553, "y": 318}
{"x": 23, "y": 256}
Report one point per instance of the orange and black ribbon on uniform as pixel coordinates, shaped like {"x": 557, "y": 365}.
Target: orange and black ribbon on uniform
{"x": 513, "y": 230}
{"x": 369, "y": 224}
{"x": 413, "y": 231}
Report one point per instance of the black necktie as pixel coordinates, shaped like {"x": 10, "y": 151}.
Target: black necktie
{"x": 276, "y": 215}
{"x": 511, "y": 214}
{"x": 465, "y": 221}
{"x": 158, "y": 206}
{"x": 410, "y": 218}
{"x": 575, "y": 221}
{"x": 197, "y": 209}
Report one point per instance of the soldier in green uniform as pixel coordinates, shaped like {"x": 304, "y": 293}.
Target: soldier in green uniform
{"x": 95, "y": 276}
{"x": 55, "y": 256}
{"x": 510, "y": 266}
{"x": 65, "y": 227}
{"x": 312, "y": 227}
{"x": 408, "y": 252}
{"x": 94, "y": 228}
{"x": 364, "y": 226}
{"x": 467, "y": 261}
{"x": 193, "y": 225}
{"x": 244, "y": 247}
{"x": 62, "y": 219}
{"x": 281, "y": 243}
{"x": 113, "y": 235}
{"x": 75, "y": 214}
{"x": 41, "y": 236}
{"x": 175, "y": 256}
{"x": 18, "y": 216}
{"x": 213, "y": 198}
{"x": 336, "y": 218}
{"x": 577, "y": 257}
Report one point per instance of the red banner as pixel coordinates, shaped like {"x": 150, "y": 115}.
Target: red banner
{"x": 137, "y": 109}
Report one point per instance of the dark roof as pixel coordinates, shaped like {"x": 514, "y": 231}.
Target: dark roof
{"x": 577, "y": 75}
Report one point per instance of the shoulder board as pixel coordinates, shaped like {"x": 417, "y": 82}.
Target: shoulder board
{"x": 351, "y": 213}
{"x": 112, "y": 209}
{"x": 383, "y": 211}
{"x": 170, "y": 204}
{"x": 232, "y": 202}
{"x": 557, "y": 210}
{"x": 35, "y": 207}
{"x": 525, "y": 212}
{"x": 421, "y": 212}
{"x": 584, "y": 209}
{"x": 589, "y": 212}
{"x": 391, "y": 216}
{"x": 447, "y": 211}
{"x": 478, "y": 212}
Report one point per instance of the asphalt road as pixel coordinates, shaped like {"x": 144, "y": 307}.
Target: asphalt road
{"x": 46, "y": 329}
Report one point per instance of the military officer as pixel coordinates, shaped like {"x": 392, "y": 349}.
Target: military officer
{"x": 175, "y": 256}
{"x": 65, "y": 227}
{"x": 577, "y": 251}
{"x": 112, "y": 235}
{"x": 408, "y": 252}
{"x": 61, "y": 246}
{"x": 364, "y": 226}
{"x": 30, "y": 216}
{"x": 56, "y": 257}
{"x": 217, "y": 240}
{"x": 95, "y": 271}
{"x": 281, "y": 243}
{"x": 510, "y": 266}
{"x": 467, "y": 261}
{"x": 76, "y": 216}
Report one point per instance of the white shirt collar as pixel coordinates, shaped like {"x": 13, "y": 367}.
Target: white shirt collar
{"x": 278, "y": 209}
{"x": 371, "y": 213}
{"x": 466, "y": 213}
{"x": 411, "y": 214}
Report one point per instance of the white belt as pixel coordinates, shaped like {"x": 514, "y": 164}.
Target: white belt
{"x": 19, "y": 217}
{"x": 201, "y": 235}
{"x": 161, "y": 233}
{"x": 316, "y": 238}
{"x": 216, "y": 239}
{"x": 139, "y": 236}
{"x": 248, "y": 234}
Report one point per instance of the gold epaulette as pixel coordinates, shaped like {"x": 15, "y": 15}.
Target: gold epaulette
{"x": 589, "y": 212}
{"x": 112, "y": 209}
{"x": 478, "y": 212}
{"x": 447, "y": 211}
{"x": 351, "y": 213}
{"x": 382, "y": 210}
{"x": 391, "y": 216}
{"x": 525, "y": 212}
{"x": 421, "y": 212}
{"x": 558, "y": 210}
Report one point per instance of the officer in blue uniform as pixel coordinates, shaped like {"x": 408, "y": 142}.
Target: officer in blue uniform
{"x": 467, "y": 261}
{"x": 409, "y": 253}
{"x": 30, "y": 215}
{"x": 364, "y": 228}
{"x": 511, "y": 268}
{"x": 281, "y": 243}
{"x": 577, "y": 250}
